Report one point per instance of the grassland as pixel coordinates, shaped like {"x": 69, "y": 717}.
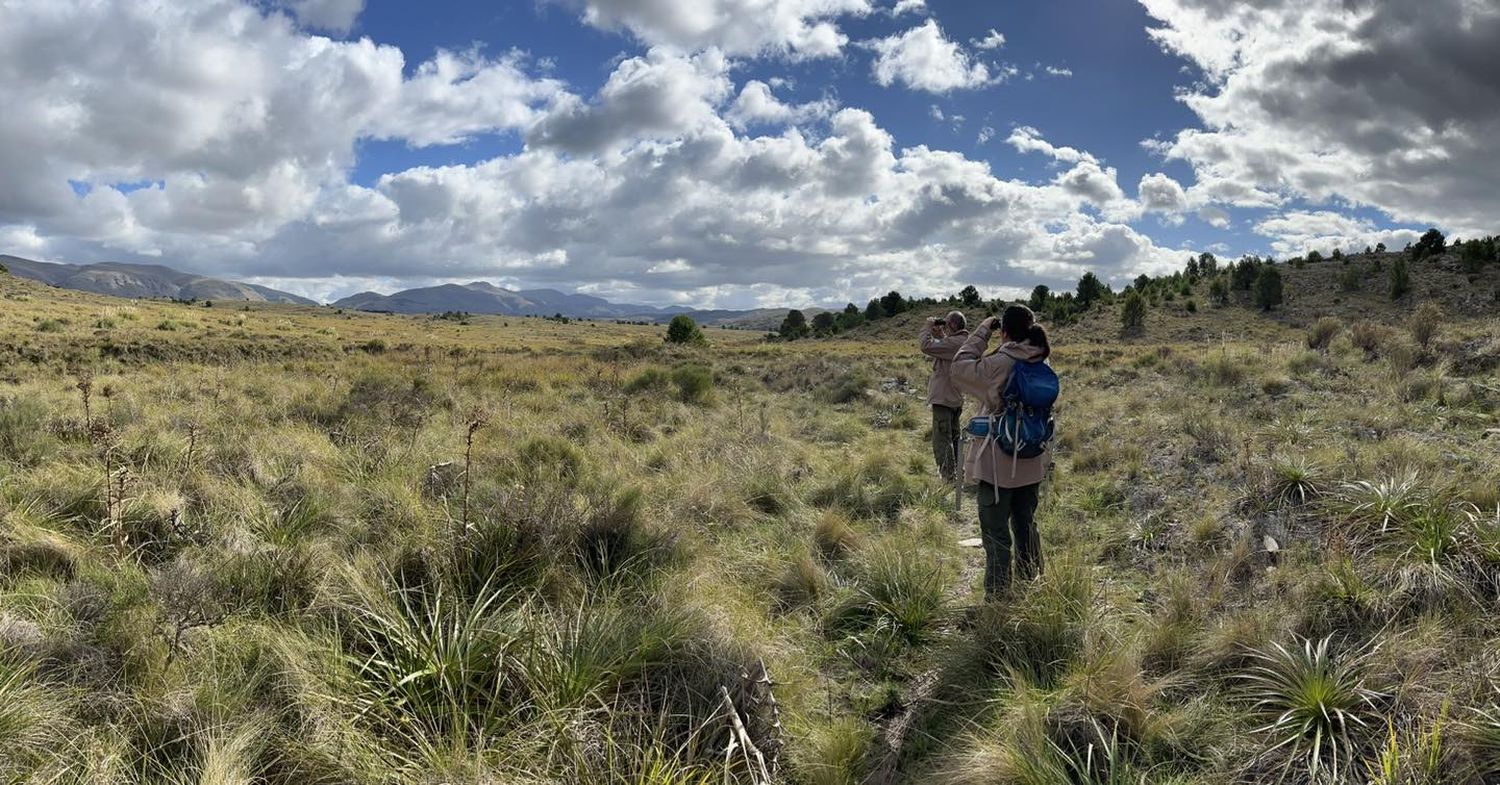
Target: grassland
{"x": 288, "y": 545}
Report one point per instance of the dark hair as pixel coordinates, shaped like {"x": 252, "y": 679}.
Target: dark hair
{"x": 1019, "y": 323}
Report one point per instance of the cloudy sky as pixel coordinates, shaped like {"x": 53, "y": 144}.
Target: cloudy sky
{"x": 737, "y": 152}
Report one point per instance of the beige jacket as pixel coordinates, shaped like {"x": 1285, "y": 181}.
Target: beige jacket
{"x": 985, "y": 377}
{"x": 940, "y": 389}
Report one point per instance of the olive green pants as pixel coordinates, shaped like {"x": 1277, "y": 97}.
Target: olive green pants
{"x": 945, "y": 432}
{"x": 1008, "y": 515}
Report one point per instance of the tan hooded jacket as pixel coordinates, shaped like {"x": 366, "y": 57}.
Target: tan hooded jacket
{"x": 985, "y": 377}
{"x": 940, "y": 389}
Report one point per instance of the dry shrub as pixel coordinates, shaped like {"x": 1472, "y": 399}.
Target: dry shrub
{"x": 1425, "y": 323}
{"x": 1369, "y": 337}
{"x": 1323, "y": 332}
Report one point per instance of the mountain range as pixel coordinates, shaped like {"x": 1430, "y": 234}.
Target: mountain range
{"x": 143, "y": 281}
{"x": 148, "y": 281}
{"x": 485, "y": 298}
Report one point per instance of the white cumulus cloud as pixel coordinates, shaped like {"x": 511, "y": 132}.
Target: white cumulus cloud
{"x": 922, "y": 58}
{"x": 793, "y": 28}
{"x": 1393, "y": 104}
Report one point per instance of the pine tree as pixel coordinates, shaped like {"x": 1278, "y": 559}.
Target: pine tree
{"x": 1133, "y": 311}
{"x": 1268, "y": 287}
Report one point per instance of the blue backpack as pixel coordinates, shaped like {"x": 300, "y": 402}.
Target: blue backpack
{"x": 1024, "y": 425}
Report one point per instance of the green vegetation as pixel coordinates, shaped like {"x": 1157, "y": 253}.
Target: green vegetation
{"x": 683, "y": 330}
{"x": 1133, "y": 311}
{"x": 289, "y": 545}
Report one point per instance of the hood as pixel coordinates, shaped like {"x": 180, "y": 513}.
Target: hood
{"x": 1024, "y": 352}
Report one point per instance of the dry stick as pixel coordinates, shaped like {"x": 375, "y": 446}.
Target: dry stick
{"x": 776, "y": 730}
{"x": 742, "y": 738}
{"x": 475, "y": 424}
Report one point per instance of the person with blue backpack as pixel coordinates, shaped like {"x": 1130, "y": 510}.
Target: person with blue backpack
{"x": 1008, "y": 456}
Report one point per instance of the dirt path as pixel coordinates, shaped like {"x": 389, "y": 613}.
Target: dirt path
{"x": 920, "y": 692}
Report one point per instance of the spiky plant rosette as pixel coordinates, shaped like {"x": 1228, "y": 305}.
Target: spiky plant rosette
{"x": 1315, "y": 705}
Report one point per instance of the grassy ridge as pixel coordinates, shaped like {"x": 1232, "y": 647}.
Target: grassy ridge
{"x": 248, "y": 550}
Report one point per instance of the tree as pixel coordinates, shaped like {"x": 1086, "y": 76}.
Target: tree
{"x": 1219, "y": 291}
{"x": 794, "y": 326}
{"x": 970, "y": 297}
{"x": 1133, "y": 311}
{"x": 684, "y": 330}
{"x": 851, "y": 317}
{"x": 873, "y": 311}
{"x": 1314, "y": 256}
{"x": 1039, "y": 297}
{"x": 1142, "y": 282}
{"x": 1192, "y": 268}
{"x": 892, "y": 303}
{"x": 824, "y": 324}
{"x": 1208, "y": 264}
{"x": 1090, "y": 290}
{"x": 1400, "y": 278}
{"x": 1380, "y": 248}
{"x": 1337, "y": 255}
{"x": 1431, "y": 244}
{"x": 1242, "y": 275}
{"x": 1268, "y": 287}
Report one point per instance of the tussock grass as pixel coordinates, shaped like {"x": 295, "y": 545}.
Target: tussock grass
{"x": 323, "y": 580}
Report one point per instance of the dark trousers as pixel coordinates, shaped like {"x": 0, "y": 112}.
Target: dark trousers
{"x": 1008, "y": 515}
{"x": 945, "y": 433}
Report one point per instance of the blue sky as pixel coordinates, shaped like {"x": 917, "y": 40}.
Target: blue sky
{"x": 737, "y": 152}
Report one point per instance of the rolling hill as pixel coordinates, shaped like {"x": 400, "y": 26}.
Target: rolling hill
{"x": 144, "y": 281}
{"x": 484, "y": 298}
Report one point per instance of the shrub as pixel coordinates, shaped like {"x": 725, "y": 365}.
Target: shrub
{"x": 49, "y": 326}
{"x": 1400, "y": 279}
{"x": 695, "y": 384}
{"x": 683, "y": 330}
{"x": 1368, "y": 336}
{"x": 1315, "y": 703}
{"x": 1133, "y": 311}
{"x": 1425, "y": 323}
{"x": 1323, "y": 332}
{"x": 851, "y": 385}
{"x": 648, "y": 380}
{"x": 1350, "y": 279}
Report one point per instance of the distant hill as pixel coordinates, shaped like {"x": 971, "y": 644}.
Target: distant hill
{"x": 143, "y": 281}
{"x": 485, "y": 298}
{"x": 1315, "y": 290}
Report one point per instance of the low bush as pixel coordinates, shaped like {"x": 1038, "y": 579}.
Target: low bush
{"x": 695, "y": 384}
{"x": 1323, "y": 332}
{"x": 652, "y": 379}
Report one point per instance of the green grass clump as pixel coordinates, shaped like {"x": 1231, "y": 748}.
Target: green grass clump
{"x": 1316, "y": 704}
